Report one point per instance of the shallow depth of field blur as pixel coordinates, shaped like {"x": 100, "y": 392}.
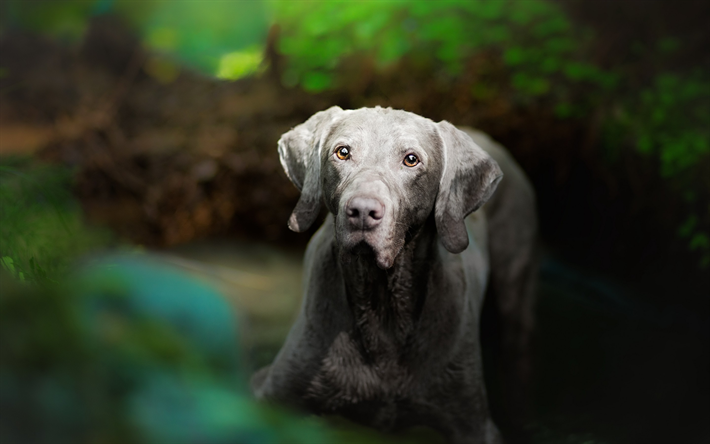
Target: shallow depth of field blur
{"x": 146, "y": 266}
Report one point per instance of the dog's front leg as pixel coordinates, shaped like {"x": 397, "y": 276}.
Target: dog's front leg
{"x": 286, "y": 380}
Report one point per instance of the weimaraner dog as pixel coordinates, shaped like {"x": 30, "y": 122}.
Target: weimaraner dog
{"x": 388, "y": 333}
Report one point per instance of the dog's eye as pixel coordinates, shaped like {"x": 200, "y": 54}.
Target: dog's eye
{"x": 411, "y": 160}
{"x": 342, "y": 152}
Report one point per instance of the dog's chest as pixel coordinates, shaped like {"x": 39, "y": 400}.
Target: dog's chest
{"x": 366, "y": 365}
{"x": 346, "y": 380}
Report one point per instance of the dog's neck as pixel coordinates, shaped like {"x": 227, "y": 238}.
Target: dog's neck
{"x": 386, "y": 303}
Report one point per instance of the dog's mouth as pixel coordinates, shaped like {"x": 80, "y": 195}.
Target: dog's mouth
{"x": 364, "y": 249}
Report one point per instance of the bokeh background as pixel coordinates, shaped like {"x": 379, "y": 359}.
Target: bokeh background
{"x": 146, "y": 264}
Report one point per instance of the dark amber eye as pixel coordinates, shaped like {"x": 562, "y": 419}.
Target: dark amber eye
{"x": 342, "y": 152}
{"x": 411, "y": 160}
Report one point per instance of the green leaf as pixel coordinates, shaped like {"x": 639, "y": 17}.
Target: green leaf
{"x": 238, "y": 64}
{"x": 514, "y": 56}
{"x": 317, "y": 81}
{"x": 668, "y": 45}
{"x": 8, "y": 264}
{"x": 700, "y": 241}
{"x": 563, "y": 110}
{"x": 688, "y": 226}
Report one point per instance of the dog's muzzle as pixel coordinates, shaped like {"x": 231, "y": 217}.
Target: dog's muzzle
{"x": 367, "y": 218}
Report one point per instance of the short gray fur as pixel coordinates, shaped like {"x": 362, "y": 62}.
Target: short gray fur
{"x": 388, "y": 333}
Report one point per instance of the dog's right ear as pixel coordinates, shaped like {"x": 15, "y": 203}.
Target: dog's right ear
{"x": 299, "y": 150}
{"x": 469, "y": 179}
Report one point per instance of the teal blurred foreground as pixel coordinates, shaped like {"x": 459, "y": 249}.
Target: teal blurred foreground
{"x": 129, "y": 350}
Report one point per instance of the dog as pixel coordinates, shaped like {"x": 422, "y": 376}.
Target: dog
{"x": 395, "y": 278}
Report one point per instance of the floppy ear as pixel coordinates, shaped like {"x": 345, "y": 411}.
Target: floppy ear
{"x": 299, "y": 150}
{"x": 468, "y": 180}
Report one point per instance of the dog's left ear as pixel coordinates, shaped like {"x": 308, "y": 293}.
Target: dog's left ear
{"x": 468, "y": 180}
{"x": 299, "y": 151}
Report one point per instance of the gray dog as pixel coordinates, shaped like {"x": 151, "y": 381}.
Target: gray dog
{"x": 388, "y": 334}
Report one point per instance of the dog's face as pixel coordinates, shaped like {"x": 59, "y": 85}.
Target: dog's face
{"x": 380, "y": 176}
{"x": 382, "y": 172}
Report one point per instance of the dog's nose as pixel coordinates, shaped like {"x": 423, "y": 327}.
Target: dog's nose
{"x": 365, "y": 213}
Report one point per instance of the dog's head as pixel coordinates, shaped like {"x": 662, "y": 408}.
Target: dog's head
{"x": 382, "y": 172}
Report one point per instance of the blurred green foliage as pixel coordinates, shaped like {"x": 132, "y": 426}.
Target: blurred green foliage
{"x": 534, "y": 37}
{"x": 238, "y": 64}
{"x": 670, "y": 121}
{"x": 196, "y": 33}
{"x": 41, "y": 225}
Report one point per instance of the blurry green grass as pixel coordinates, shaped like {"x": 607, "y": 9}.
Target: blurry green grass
{"x": 41, "y": 224}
